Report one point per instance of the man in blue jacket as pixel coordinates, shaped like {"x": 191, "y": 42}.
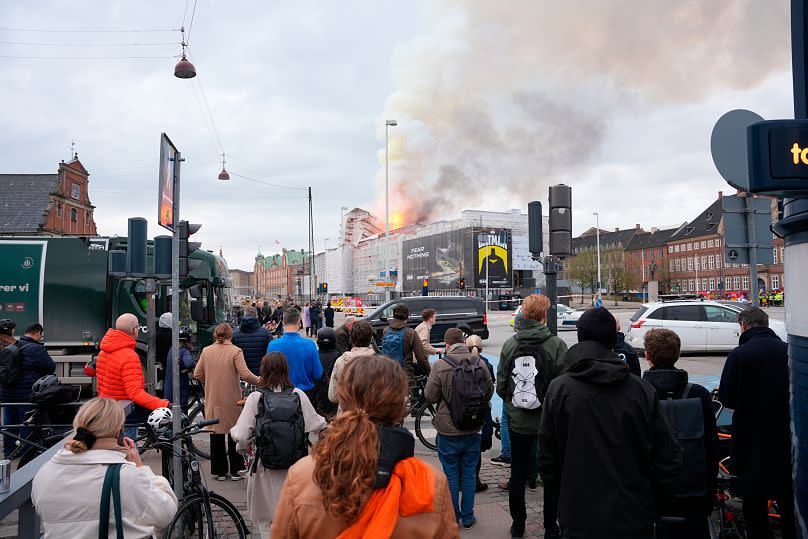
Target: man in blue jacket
{"x": 252, "y": 338}
{"x": 301, "y": 354}
{"x": 36, "y": 363}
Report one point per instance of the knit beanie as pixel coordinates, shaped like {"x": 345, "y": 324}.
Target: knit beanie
{"x": 598, "y": 324}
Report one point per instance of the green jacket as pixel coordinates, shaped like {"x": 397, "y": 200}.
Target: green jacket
{"x": 530, "y": 331}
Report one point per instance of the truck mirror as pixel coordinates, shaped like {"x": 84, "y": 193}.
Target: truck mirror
{"x": 197, "y": 311}
{"x": 195, "y": 291}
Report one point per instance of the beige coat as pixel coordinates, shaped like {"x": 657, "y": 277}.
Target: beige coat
{"x": 423, "y": 330}
{"x": 264, "y": 486}
{"x": 340, "y": 365}
{"x": 300, "y": 511}
{"x": 220, "y": 367}
{"x": 439, "y": 390}
{"x": 67, "y": 495}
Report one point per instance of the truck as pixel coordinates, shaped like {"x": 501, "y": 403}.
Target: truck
{"x": 65, "y": 284}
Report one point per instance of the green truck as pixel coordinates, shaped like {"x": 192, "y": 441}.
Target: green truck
{"x": 64, "y": 283}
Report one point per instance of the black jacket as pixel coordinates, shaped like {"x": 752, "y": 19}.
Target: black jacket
{"x": 628, "y": 354}
{"x": 755, "y": 385}
{"x": 605, "y": 450}
{"x": 673, "y": 382}
{"x": 343, "y": 339}
{"x": 163, "y": 340}
{"x": 253, "y": 339}
{"x": 321, "y": 403}
{"x": 328, "y": 312}
{"x": 36, "y": 363}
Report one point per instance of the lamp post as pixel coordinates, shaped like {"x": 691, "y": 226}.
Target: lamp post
{"x": 342, "y": 211}
{"x": 597, "y": 234}
{"x": 387, "y": 125}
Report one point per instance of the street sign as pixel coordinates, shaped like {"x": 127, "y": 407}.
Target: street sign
{"x": 738, "y": 239}
{"x": 778, "y": 157}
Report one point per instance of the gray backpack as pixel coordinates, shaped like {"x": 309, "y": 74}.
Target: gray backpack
{"x": 686, "y": 418}
{"x": 468, "y": 403}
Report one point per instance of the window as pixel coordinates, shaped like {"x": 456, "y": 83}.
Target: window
{"x": 717, "y": 261}
{"x": 711, "y": 260}
{"x": 689, "y": 246}
{"x": 690, "y": 264}
{"x": 676, "y": 248}
{"x": 678, "y": 265}
{"x": 59, "y": 210}
{"x": 775, "y": 255}
{"x": 671, "y": 264}
{"x": 690, "y": 285}
{"x": 718, "y": 243}
{"x": 704, "y": 285}
{"x": 736, "y": 283}
{"x": 670, "y": 248}
{"x": 712, "y": 284}
{"x": 782, "y": 255}
{"x": 720, "y": 314}
{"x": 745, "y": 282}
{"x": 775, "y": 282}
{"x": 695, "y": 245}
{"x": 662, "y": 253}
{"x": 703, "y": 244}
{"x": 710, "y": 243}
{"x": 458, "y": 307}
{"x": 659, "y": 314}
{"x": 74, "y": 215}
{"x": 728, "y": 283}
{"x": 696, "y": 260}
{"x": 704, "y": 262}
{"x": 683, "y": 313}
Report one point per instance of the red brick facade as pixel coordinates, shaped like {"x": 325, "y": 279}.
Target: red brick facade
{"x": 69, "y": 209}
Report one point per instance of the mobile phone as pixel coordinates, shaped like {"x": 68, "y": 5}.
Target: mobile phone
{"x": 120, "y": 438}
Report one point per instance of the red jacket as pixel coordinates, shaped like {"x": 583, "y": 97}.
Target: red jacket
{"x": 119, "y": 373}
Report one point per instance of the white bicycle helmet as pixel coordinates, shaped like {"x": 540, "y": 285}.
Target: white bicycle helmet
{"x": 160, "y": 420}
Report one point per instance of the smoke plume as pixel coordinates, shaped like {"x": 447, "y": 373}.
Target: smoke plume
{"x": 498, "y": 100}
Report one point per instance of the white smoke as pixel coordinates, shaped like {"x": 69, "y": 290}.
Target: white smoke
{"x": 501, "y": 99}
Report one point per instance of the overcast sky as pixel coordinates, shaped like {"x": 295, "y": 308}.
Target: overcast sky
{"x": 495, "y": 103}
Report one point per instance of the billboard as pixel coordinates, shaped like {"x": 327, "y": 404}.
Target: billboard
{"x": 446, "y": 257}
{"x": 22, "y": 268}
{"x": 167, "y": 190}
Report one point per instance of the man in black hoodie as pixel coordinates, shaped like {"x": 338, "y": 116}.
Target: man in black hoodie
{"x": 252, "y": 338}
{"x": 604, "y": 447}
{"x": 662, "y": 348}
{"x": 627, "y": 353}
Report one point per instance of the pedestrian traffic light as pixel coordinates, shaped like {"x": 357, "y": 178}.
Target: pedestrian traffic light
{"x": 561, "y": 220}
{"x": 187, "y": 264}
{"x": 325, "y": 288}
{"x": 534, "y": 229}
{"x": 425, "y": 288}
{"x": 461, "y": 283}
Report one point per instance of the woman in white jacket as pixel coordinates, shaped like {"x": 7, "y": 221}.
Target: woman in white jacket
{"x": 67, "y": 489}
{"x": 264, "y": 485}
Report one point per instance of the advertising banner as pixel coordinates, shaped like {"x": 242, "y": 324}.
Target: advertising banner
{"x": 22, "y": 273}
{"x": 167, "y": 190}
{"x": 493, "y": 257}
{"x": 438, "y": 258}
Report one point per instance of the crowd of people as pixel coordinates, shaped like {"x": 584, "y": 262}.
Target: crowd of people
{"x": 614, "y": 449}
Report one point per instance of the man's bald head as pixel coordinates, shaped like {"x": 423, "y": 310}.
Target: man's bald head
{"x": 349, "y": 322}
{"x": 127, "y": 323}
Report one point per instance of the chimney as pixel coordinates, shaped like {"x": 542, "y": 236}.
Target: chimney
{"x": 617, "y": 229}
{"x": 654, "y": 229}
{"x": 721, "y": 195}
{"x": 637, "y": 226}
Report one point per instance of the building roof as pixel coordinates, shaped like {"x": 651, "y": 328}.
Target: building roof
{"x": 588, "y": 240}
{"x": 650, "y": 240}
{"x": 24, "y": 201}
{"x": 705, "y": 224}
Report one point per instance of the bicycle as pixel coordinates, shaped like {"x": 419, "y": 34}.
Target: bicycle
{"x": 424, "y": 413}
{"x": 202, "y": 513}
{"x": 43, "y": 436}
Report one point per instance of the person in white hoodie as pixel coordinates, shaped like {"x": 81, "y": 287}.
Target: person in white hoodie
{"x": 66, "y": 491}
{"x": 361, "y": 337}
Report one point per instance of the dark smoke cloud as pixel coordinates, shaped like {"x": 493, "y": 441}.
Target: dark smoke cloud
{"x": 501, "y": 99}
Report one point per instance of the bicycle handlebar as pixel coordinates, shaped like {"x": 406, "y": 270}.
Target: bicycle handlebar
{"x": 205, "y": 423}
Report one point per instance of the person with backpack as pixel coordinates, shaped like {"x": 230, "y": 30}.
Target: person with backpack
{"x": 527, "y": 363}
{"x": 606, "y": 452}
{"x": 327, "y": 348}
{"x": 362, "y": 478}
{"x": 689, "y": 409}
{"x": 273, "y": 427}
{"x": 21, "y": 365}
{"x": 402, "y": 344}
{"x": 315, "y": 314}
{"x": 253, "y": 338}
{"x": 461, "y": 386}
{"x": 361, "y": 338}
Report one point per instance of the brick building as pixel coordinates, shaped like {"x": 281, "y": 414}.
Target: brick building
{"x": 645, "y": 249}
{"x": 34, "y": 204}
{"x": 275, "y": 276}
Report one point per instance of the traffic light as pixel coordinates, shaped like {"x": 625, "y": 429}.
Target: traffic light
{"x": 561, "y": 220}
{"x": 162, "y": 257}
{"x": 461, "y": 283}
{"x": 187, "y": 264}
{"x": 425, "y": 288}
{"x": 325, "y": 288}
{"x": 534, "y": 229}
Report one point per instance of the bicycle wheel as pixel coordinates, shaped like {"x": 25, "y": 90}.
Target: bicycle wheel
{"x": 32, "y": 452}
{"x": 194, "y": 519}
{"x": 195, "y": 413}
{"x": 424, "y": 426}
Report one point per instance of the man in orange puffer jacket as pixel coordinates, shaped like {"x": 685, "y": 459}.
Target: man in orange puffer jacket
{"x": 119, "y": 373}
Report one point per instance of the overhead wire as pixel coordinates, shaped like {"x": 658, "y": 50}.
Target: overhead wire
{"x": 191, "y": 25}
{"x": 90, "y": 31}
{"x": 87, "y": 57}
{"x": 279, "y": 186}
{"x": 42, "y": 44}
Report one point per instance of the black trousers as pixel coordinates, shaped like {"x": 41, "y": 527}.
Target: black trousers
{"x": 756, "y": 516}
{"x": 220, "y": 456}
{"x": 524, "y": 465}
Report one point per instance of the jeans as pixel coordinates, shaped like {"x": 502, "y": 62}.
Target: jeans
{"x": 220, "y": 456}
{"x": 503, "y": 432}
{"x": 136, "y": 418}
{"x": 459, "y": 456}
{"x": 524, "y": 459}
{"x": 14, "y": 415}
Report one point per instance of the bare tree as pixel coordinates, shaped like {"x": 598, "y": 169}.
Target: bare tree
{"x": 582, "y": 269}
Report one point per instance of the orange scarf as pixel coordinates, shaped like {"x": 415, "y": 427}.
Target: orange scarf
{"x": 380, "y": 514}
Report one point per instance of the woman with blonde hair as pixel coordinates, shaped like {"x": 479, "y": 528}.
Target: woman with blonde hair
{"x": 67, "y": 489}
{"x": 362, "y": 479}
{"x": 221, "y": 365}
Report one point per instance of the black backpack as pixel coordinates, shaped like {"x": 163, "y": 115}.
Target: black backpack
{"x": 468, "y": 403}
{"x": 280, "y": 432}
{"x": 530, "y": 375}
{"x": 10, "y": 364}
{"x": 49, "y": 390}
{"x": 685, "y": 416}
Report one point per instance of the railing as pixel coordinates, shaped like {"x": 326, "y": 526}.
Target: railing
{"x": 19, "y": 496}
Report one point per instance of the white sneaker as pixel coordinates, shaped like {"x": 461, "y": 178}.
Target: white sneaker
{"x": 221, "y": 478}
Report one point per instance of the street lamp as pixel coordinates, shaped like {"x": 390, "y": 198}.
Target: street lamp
{"x": 223, "y": 175}
{"x": 597, "y": 234}
{"x": 184, "y": 69}
{"x": 387, "y": 125}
